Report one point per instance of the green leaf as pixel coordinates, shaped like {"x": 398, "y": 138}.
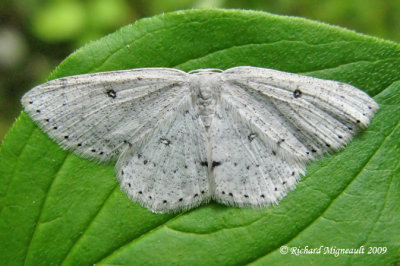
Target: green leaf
{"x": 58, "y": 208}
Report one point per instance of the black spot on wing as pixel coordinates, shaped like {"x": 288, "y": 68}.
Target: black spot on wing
{"x": 111, "y": 93}
{"x": 297, "y": 93}
{"x": 251, "y": 137}
{"x": 215, "y": 164}
{"x": 165, "y": 141}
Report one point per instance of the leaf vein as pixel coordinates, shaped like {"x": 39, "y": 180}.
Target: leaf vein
{"x": 88, "y": 224}
{"x": 15, "y": 168}
{"x": 333, "y": 200}
{"x": 42, "y": 207}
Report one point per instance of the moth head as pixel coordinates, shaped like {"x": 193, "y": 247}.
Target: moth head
{"x": 205, "y": 82}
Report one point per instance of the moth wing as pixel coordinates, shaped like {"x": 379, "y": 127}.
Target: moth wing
{"x": 96, "y": 115}
{"x": 302, "y": 116}
{"x": 270, "y": 123}
{"x": 166, "y": 170}
{"x": 247, "y": 170}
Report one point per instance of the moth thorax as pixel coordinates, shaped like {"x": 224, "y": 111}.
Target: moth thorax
{"x": 205, "y": 89}
{"x": 206, "y": 105}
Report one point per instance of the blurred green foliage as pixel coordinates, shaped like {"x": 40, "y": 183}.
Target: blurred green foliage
{"x": 79, "y": 21}
{"x": 35, "y": 35}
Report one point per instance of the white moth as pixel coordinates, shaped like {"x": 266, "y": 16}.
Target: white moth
{"x": 241, "y": 137}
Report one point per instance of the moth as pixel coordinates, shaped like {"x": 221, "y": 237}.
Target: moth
{"x": 241, "y": 137}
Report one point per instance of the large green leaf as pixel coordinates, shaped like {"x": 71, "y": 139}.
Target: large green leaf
{"x": 59, "y": 208}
